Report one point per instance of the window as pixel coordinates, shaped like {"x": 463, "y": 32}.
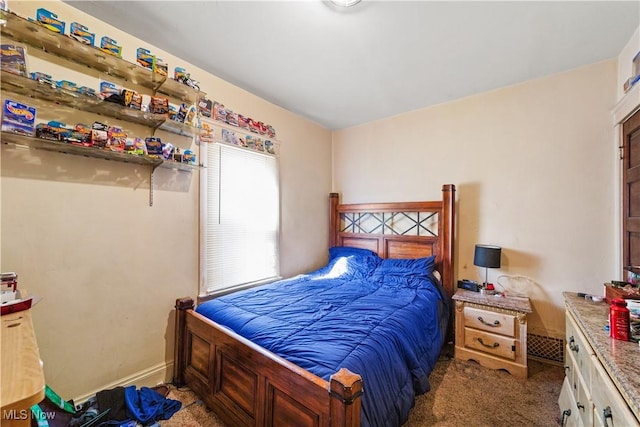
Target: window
{"x": 240, "y": 200}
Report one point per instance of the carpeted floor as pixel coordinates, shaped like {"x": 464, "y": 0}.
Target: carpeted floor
{"x": 463, "y": 394}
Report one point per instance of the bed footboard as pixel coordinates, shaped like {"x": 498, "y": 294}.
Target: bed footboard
{"x": 245, "y": 385}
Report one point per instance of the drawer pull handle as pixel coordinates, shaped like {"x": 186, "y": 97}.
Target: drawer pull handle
{"x": 494, "y": 345}
{"x": 493, "y": 325}
{"x": 606, "y": 413}
{"x": 566, "y": 413}
{"x": 580, "y": 405}
{"x": 572, "y": 344}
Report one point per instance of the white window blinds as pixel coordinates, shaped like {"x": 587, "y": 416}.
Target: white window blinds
{"x": 241, "y": 218}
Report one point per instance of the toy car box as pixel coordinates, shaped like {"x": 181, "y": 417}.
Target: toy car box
{"x": 205, "y": 107}
{"x": 44, "y": 78}
{"x": 161, "y": 67}
{"x": 145, "y": 58}
{"x": 81, "y": 135}
{"x": 99, "y": 134}
{"x": 81, "y": 33}
{"x": 110, "y": 91}
{"x": 189, "y": 157}
{"x": 110, "y": 46}
{"x": 53, "y": 131}
{"x": 117, "y": 139}
{"x": 159, "y": 105}
{"x": 154, "y": 146}
{"x": 18, "y": 118}
{"x": 13, "y": 59}
{"x": 50, "y": 21}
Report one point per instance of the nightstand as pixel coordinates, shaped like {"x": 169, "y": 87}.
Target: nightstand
{"x": 492, "y": 330}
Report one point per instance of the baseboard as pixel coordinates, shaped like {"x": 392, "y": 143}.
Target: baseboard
{"x": 150, "y": 377}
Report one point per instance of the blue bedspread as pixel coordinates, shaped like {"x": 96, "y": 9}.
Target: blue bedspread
{"x": 386, "y": 327}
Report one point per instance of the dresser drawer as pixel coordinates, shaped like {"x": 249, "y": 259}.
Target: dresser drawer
{"x": 584, "y": 404}
{"x": 570, "y": 369}
{"x": 494, "y": 344}
{"x": 578, "y": 347}
{"x": 609, "y": 407}
{"x": 567, "y": 403}
{"x": 497, "y": 323}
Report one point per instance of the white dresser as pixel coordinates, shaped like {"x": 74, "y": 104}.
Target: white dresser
{"x": 602, "y": 382}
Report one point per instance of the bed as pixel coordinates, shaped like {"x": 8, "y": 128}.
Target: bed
{"x": 331, "y": 355}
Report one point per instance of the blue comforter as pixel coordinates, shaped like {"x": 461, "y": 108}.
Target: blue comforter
{"x": 387, "y": 327}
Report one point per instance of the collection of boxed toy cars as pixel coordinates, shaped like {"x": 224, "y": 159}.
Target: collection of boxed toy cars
{"x": 225, "y": 115}
{"x": 248, "y": 141}
{"x": 81, "y": 33}
{"x": 20, "y": 118}
{"x": 65, "y": 85}
{"x": 14, "y": 58}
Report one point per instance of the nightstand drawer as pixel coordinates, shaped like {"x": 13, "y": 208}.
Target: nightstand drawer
{"x": 497, "y": 345}
{"x": 497, "y": 323}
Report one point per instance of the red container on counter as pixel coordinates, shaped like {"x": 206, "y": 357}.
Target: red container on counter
{"x": 619, "y": 320}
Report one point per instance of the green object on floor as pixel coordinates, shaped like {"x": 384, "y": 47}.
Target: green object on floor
{"x": 62, "y": 404}
{"x": 53, "y": 397}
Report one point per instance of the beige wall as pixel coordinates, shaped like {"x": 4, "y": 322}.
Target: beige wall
{"x": 625, "y": 61}
{"x": 533, "y": 166}
{"x": 80, "y": 233}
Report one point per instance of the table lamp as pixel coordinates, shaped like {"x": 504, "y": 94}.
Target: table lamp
{"x": 487, "y": 256}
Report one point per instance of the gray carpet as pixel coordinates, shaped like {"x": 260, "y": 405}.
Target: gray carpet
{"x": 463, "y": 394}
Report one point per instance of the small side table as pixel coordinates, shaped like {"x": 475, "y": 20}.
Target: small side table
{"x": 492, "y": 330}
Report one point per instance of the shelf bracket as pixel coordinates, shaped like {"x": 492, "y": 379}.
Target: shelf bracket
{"x": 151, "y": 186}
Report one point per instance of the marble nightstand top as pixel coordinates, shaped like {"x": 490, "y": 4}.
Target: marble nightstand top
{"x": 508, "y": 303}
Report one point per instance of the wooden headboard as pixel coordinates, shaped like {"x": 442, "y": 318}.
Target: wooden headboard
{"x": 399, "y": 229}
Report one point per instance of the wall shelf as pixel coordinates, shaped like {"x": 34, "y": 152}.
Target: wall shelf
{"x": 179, "y": 128}
{"x": 66, "y": 148}
{"x": 24, "y": 141}
{"x": 15, "y": 83}
{"x": 35, "y": 35}
{"x": 168, "y": 164}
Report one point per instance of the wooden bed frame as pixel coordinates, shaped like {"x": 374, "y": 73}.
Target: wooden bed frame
{"x": 246, "y": 385}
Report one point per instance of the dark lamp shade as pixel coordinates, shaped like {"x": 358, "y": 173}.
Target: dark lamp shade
{"x": 487, "y": 256}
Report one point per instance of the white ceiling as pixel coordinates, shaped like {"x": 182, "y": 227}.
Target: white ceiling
{"x": 344, "y": 67}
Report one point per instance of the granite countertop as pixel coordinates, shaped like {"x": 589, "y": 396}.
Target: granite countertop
{"x": 621, "y": 359}
{"x": 507, "y": 303}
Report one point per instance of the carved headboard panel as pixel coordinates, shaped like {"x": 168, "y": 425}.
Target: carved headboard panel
{"x": 399, "y": 229}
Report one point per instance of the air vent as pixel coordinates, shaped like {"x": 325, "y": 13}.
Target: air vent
{"x": 545, "y": 349}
